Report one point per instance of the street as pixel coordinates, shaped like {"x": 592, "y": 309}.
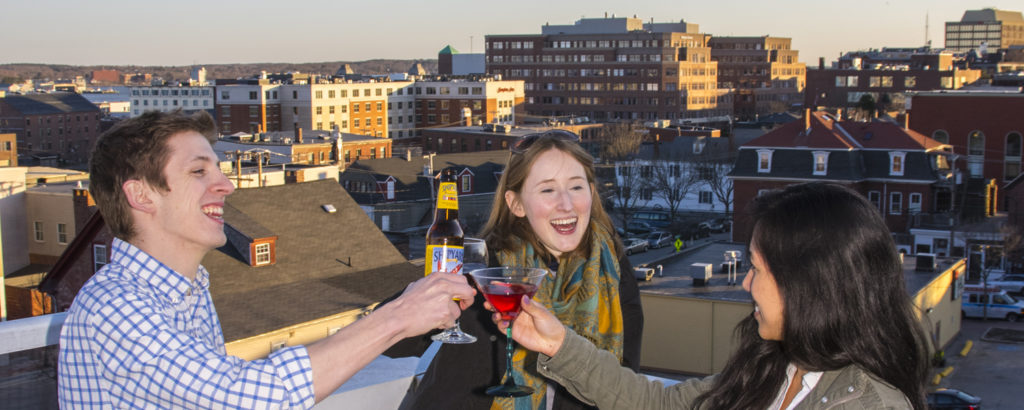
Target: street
{"x": 991, "y": 370}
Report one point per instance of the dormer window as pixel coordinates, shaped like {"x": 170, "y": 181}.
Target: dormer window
{"x": 262, "y": 251}
{"x": 466, "y": 181}
{"x": 896, "y": 163}
{"x": 820, "y": 162}
{"x": 698, "y": 146}
{"x": 764, "y": 160}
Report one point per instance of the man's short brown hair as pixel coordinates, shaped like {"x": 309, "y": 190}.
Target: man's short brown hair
{"x": 137, "y": 149}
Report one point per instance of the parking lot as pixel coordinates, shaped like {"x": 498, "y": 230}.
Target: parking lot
{"x": 992, "y": 370}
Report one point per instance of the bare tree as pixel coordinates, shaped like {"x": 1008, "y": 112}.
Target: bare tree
{"x": 671, "y": 181}
{"x": 618, "y": 141}
{"x": 712, "y": 172}
{"x": 627, "y": 189}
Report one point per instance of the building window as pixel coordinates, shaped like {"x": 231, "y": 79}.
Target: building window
{"x": 99, "y": 256}
{"x": 910, "y": 81}
{"x": 705, "y": 197}
{"x": 467, "y": 183}
{"x": 262, "y": 254}
{"x": 38, "y": 225}
{"x": 915, "y": 202}
{"x": 1013, "y": 156}
{"x": 941, "y": 136}
{"x": 764, "y": 160}
{"x": 820, "y": 162}
{"x": 62, "y": 234}
{"x": 896, "y": 162}
{"x": 895, "y": 203}
{"x": 876, "y": 198}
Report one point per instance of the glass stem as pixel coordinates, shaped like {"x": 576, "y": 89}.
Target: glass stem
{"x": 509, "y": 381}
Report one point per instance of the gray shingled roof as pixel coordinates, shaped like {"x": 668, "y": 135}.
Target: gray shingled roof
{"x": 326, "y": 263}
{"x": 55, "y": 103}
{"x": 409, "y": 186}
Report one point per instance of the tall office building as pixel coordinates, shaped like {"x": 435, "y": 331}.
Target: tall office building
{"x": 765, "y": 73}
{"x": 613, "y": 69}
{"x": 992, "y": 28}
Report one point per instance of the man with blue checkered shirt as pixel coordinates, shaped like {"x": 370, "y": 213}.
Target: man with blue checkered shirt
{"x": 143, "y": 332}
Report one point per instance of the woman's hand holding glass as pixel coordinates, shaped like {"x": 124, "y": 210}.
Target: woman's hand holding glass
{"x": 535, "y": 328}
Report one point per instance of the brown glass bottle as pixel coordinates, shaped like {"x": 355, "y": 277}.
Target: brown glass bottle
{"x": 444, "y": 237}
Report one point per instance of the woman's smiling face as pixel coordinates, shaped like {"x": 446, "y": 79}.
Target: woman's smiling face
{"x": 556, "y": 199}
{"x": 768, "y": 304}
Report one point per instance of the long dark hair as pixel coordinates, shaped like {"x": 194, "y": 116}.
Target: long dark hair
{"x": 846, "y": 302}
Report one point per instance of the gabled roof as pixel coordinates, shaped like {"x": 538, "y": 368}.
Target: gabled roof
{"x": 681, "y": 148}
{"x": 827, "y": 133}
{"x": 410, "y": 185}
{"x": 54, "y": 103}
{"x": 448, "y": 50}
{"x": 326, "y": 263}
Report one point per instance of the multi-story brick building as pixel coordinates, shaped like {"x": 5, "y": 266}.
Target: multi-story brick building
{"x": 765, "y": 73}
{"x": 985, "y": 127}
{"x": 8, "y": 150}
{"x": 474, "y": 138}
{"x": 378, "y": 107}
{"x": 167, "y": 98}
{"x": 613, "y": 69}
{"x": 885, "y": 74}
{"x": 901, "y": 171}
{"x": 991, "y": 28}
{"x": 60, "y": 126}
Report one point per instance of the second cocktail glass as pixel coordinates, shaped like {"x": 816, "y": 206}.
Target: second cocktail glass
{"x": 504, "y": 288}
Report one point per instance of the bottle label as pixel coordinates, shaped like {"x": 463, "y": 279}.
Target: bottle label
{"x": 447, "y": 196}
{"x": 450, "y": 263}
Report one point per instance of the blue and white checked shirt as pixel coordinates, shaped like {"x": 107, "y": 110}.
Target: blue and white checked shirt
{"x": 140, "y": 335}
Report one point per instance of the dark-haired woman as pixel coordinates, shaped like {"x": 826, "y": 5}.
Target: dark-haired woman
{"x": 546, "y": 213}
{"x": 832, "y": 326}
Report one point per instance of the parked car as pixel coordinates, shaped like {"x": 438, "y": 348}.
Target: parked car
{"x": 1012, "y": 283}
{"x": 635, "y": 246}
{"x": 658, "y": 239}
{"x": 717, "y": 225}
{"x": 953, "y": 399}
{"x": 991, "y": 302}
{"x": 693, "y": 231}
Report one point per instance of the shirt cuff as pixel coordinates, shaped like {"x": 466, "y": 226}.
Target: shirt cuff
{"x": 294, "y": 368}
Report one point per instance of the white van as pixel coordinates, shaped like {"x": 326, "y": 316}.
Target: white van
{"x": 1001, "y": 305}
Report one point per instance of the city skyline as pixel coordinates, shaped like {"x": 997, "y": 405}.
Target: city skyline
{"x": 194, "y": 32}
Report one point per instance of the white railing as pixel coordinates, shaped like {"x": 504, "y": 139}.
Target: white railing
{"x": 30, "y": 333}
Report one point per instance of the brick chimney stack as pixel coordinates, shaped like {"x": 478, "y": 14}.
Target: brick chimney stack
{"x": 298, "y": 135}
{"x": 84, "y": 206}
{"x": 807, "y": 119}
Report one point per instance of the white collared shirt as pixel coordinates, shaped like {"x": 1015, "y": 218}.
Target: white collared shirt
{"x": 807, "y": 384}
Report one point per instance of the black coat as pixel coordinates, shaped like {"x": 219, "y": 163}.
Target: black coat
{"x": 459, "y": 373}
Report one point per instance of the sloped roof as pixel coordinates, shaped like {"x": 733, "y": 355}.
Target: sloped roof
{"x": 991, "y": 16}
{"x": 827, "y": 133}
{"x": 325, "y": 263}
{"x": 681, "y": 148}
{"x": 448, "y": 50}
{"x": 417, "y": 69}
{"x": 53, "y": 103}
{"x": 409, "y": 183}
{"x": 857, "y": 151}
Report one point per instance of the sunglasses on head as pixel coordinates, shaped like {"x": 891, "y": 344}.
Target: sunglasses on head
{"x": 524, "y": 143}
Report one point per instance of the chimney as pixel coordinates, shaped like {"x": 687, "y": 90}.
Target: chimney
{"x": 906, "y": 121}
{"x": 408, "y": 155}
{"x": 83, "y": 207}
{"x": 807, "y": 118}
{"x": 298, "y": 135}
{"x": 821, "y": 63}
{"x": 839, "y": 114}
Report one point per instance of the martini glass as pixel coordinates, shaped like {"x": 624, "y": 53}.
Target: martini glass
{"x": 504, "y": 288}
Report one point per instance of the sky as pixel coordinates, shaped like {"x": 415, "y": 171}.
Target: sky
{"x": 187, "y": 32}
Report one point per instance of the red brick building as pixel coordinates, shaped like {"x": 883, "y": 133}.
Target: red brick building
{"x": 764, "y": 71}
{"x": 106, "y": 77}
{"x": 58, "y": 125}
{"x": 902, "y": 172}
{"x": 888, "y": 73}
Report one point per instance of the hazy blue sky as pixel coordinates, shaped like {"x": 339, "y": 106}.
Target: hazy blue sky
{"x": 183, "y": 32}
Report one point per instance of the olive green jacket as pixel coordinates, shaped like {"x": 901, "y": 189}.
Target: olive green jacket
{"x": 595, "y": 377}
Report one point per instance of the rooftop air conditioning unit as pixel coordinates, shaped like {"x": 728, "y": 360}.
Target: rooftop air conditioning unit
{"x": 926, "y": 262}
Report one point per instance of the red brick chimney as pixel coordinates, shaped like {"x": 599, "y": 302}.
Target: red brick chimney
{"x": 467, "y": 116}
{"x": 807, "y": 118}
{"x": 298, "y": 135}
{"x": 839, "y": 114}
{"x": 83, "y": 206}
{"x": 906, "y": 121}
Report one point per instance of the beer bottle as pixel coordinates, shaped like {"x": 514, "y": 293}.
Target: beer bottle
{"x": 444, "y": 237}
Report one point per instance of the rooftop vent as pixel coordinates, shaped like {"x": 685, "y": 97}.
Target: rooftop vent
{"x": 926, "y": 262}
{"x": 329, "y": 208}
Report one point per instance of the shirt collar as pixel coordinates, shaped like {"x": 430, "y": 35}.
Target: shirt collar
{"x": 165, "y": 280}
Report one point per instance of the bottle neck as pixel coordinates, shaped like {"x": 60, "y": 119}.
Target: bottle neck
{"x": 447, "y": 197}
